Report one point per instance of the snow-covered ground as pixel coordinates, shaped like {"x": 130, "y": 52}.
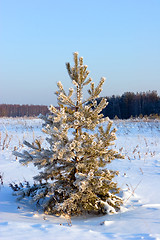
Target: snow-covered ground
{"x": 139, "y": 178}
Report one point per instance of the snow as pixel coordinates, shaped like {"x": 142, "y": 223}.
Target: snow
{"x": 139, "y": 179}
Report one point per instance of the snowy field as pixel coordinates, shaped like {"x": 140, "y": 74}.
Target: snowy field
{"x": 139, "y": 178}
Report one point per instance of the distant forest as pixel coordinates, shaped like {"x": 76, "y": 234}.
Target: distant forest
{"x": 125, "y": 106}
{"x": 16, "y": 110}
{"x": 133, "y": 105}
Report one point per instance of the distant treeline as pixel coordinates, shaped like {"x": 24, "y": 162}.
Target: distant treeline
{"x": 16, "y": 110}
{"x": 132, "y": 105}
{"x": 123, "y": 107}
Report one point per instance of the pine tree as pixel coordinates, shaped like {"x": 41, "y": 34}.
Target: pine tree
{"x": 73, "y": 177}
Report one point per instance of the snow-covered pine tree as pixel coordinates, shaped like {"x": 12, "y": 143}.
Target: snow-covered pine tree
{"x": 73, "y": 177}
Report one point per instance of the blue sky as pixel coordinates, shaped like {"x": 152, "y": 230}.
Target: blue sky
{"x": 119, "y": 39}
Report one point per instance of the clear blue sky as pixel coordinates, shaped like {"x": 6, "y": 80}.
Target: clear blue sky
{"x": 119, "y": 39}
